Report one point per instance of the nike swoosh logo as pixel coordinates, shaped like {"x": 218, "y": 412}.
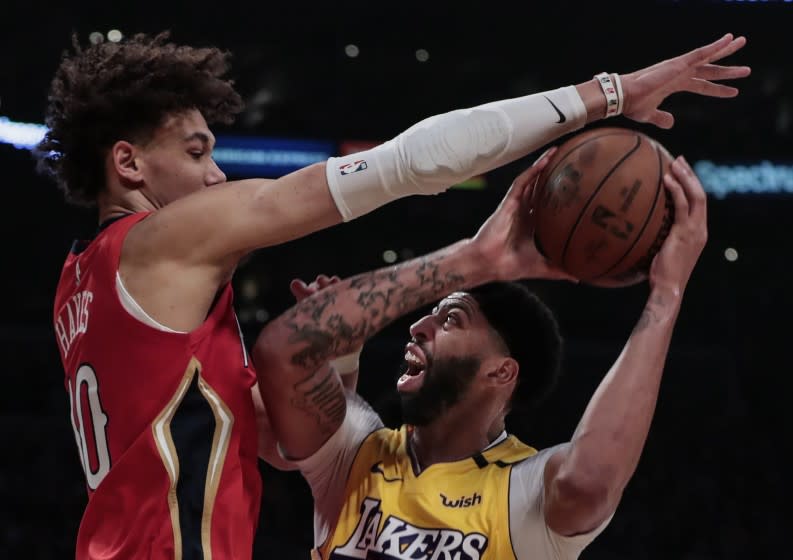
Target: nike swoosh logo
{"x": 378, "y": 468}
{"x": 562, "y": 118}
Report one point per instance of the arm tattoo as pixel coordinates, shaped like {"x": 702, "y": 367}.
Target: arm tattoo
{"x": 320, "y": 395}
{"x": 650, "y": 315}
{"x": 338, "y": 319}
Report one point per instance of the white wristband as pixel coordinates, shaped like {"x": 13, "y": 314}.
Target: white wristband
{"x": 347, "y": 363}
{"x": 446, "y": 149}
{"x": 612, "y": 89}
{"x": 618, "y": 83}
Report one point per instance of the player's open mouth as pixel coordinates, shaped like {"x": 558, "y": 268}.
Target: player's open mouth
{"x": 414, "y": 376}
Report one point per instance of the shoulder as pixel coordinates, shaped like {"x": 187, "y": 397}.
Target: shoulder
{"x": 528, "y": 475}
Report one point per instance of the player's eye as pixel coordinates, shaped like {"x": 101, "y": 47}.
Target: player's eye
{"x": 451, "y": 319}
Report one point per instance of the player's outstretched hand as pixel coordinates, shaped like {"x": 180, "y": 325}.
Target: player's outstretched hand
{"x": 694, "y": 71}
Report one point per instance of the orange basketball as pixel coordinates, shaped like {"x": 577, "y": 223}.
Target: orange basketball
{"x": 601, "y": 209}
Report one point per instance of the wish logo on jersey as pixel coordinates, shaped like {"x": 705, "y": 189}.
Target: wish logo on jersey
{"x": 399, "y": 540}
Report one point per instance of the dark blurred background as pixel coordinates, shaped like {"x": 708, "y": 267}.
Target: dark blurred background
{"x": 714, "y": 479}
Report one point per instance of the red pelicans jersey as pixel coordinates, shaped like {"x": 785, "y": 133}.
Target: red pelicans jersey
{"x": 164, "y": 421}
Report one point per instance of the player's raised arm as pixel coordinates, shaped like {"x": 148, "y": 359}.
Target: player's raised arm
{"x": 584, "y": 483}
{"x": 216, "y": 226}
{"x": 345, "y": 366}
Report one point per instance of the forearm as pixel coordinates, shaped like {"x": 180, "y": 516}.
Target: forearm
{"x": 339, "y": 318}
{"x": 608, "y": 441}
{"x": 449, "y": 148}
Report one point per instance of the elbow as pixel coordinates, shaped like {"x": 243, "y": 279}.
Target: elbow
{"x": 266, "y": 358}
{"x": 577, "y": 505}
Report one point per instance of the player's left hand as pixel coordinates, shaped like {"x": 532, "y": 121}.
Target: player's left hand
{"x": 674, "y": 263}
{"x": 301, "y": 290}
{"x": 694, "y": 72}
{"x": 506, "y": 239}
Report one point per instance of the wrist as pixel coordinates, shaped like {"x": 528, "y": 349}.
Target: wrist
{"x": 477, "y": 262}
{"x": 665, "y": 300}
{"x": 603, "y": 96}
{"x": 594, "y": 100}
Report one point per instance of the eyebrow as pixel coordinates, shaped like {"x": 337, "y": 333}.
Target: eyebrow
{"x": 203, "y": 137}
{"x": 461, "y": 305}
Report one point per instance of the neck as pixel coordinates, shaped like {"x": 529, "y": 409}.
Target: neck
{"x": 130, "y": 203}
{"x": 444, "y": 440}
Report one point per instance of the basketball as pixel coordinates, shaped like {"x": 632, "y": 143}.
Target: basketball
{"x": 601, "y": 208}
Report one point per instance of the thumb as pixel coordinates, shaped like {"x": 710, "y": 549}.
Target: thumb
{"x": 526, "y": 181}
{"x": 299, "y": 289}
{"x": 662, "y": 119}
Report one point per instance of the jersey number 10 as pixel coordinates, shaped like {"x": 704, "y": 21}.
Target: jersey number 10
{"x": 89, "y": 425}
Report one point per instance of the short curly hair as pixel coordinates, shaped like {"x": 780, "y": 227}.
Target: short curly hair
{"x": 531, "y": 334}
{"x": 124, "y": 91}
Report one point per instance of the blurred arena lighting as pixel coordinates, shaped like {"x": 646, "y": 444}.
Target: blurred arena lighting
{"x": 21, "y": 135}
{"x": 96, "y": 37}
{"x": 407, "y": 254}
{"x": 730, "y": 254}
{"x": 258, "y": 156}
{"x": 114, "y": 35}
{"x": 422, "y": 55}
{"x": 249, "y": 288}
{"x": 389, "y": 256}
{"x": 352, "y": 50}
{"x": 760, "y": 177}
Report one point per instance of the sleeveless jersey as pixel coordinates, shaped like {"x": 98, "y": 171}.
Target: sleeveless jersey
{"x": 457, "y": 510}
{"x": 164, "y": 422}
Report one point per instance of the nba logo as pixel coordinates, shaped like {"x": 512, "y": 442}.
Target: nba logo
{"x": 354, "y": 167}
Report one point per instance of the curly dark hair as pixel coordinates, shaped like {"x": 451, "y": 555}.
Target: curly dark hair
{"x": 124, "y": 91}
{"x": 531, "y": 334}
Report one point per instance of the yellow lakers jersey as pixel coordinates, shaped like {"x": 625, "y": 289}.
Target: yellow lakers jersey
{"x": 457, "y": 510}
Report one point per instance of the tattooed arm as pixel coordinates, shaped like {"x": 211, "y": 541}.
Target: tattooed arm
{"x": 303, "y": 396}
{"x": 305, "y": 401}
{"x": 585, "y": 480}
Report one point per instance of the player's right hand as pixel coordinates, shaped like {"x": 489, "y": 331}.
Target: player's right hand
{"x": 674, "y": 263}
{"x": 506, "y": 239}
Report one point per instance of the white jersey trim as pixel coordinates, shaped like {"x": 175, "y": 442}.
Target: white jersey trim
{"x": 131, "y": 306}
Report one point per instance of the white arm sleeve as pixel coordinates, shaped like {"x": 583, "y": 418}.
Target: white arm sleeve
{"x": 327, "y": 470}
{"x": 446, "y": 149}
{"x": 531, "y": 537}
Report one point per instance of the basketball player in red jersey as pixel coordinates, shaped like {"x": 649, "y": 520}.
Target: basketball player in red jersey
{"x": 163, "y": 399}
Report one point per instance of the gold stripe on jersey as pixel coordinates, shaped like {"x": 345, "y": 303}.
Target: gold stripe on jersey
{"x": 457, "y": 510}
{"x": 224, "y": 420}
{"x": 161, "y": 427}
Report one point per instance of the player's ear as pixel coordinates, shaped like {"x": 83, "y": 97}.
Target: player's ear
{"x": 123, "y": 160}
{"x": 505, "y": 372}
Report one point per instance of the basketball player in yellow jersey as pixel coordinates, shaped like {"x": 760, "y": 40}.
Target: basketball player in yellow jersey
{"x": 451, "y": 483}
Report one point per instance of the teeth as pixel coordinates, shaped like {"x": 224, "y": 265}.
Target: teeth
{"x": 412, "y": 359}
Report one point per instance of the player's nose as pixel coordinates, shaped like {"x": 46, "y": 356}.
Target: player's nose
{"x": 422, "y": 329}
{"x": 215, "y": 175}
